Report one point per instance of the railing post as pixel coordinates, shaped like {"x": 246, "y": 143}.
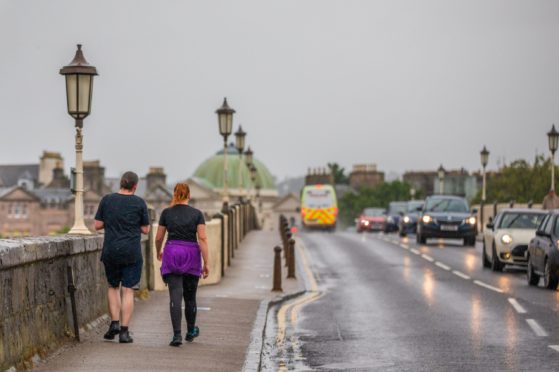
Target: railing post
{"x": 277, "y": 270}
{"x": 511, "y": 204}
{"x": 530, "y": 204}
{"x": 286, "y": 251}
{"x": 494, "y": 209}
{"x": 221, "y": 217}
{"x": 291, "y": 260}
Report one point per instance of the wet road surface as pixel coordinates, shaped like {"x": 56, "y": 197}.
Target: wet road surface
{"x": 386, "y": 303}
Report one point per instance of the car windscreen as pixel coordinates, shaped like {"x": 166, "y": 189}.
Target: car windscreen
{"x": 318, "y": 198}
{"x": 447, "y": 205}
{"x": 373, "y": 212}
{"x": 413, "y": 206}
{"x": 396, "y": 208}
{"x": 517, "y": 220}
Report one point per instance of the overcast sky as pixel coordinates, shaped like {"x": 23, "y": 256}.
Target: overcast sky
{"x": 404, "y": 84}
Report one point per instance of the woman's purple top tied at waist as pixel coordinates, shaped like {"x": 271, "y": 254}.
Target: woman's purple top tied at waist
{"x": 181, "y": 257}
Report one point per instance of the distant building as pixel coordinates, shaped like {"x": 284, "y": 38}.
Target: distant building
{"x": 456, "y": 182}
{"x": 34, "y": 204}
{"x": 459, "y": 183}
{"x": 365, "y": 176}
{"x": 421, "y": 181}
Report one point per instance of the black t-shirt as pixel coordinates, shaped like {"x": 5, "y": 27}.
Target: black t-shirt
{"x": 123, "y": 216}
{"x": 181, "y": 222}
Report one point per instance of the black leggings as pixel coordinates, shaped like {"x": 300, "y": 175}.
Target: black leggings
{"x": 182, "y": 286}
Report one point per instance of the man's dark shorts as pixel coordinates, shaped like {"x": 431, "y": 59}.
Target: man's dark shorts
{"x": 127, "y": 274}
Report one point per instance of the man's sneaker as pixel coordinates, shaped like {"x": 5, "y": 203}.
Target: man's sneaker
{"x": 176, "y": 341}
{"x": 124, "y": 337}
{"x": 112, "y": 332}
{"x": 190, "y": 336}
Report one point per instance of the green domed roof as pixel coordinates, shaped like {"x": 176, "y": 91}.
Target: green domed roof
{"x": 210, "y": 172}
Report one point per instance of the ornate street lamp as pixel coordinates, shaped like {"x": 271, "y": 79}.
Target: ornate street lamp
{"x": 79, "y": 88}
{"x": 225, "y": 121}
{"x": 441, "y": 173}
{"x": 484, "y": 155}
{"x": 253, "y": 172}
{"x": 553, "y": 138}
{"x": 248, "y": 157}
{"x": 240, "y": 145}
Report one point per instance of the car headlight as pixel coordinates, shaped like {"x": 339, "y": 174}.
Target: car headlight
{"x": 366, "y": 223}
{"x": 406, "y": 219}
{"x": 470, "y": 221}
{"x": 427, "y": 219}
{"x": 506, "y": 239}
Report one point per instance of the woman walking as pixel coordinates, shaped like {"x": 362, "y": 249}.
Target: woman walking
{"x": 181, "y": 266}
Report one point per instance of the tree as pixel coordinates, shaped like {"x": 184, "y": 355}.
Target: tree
{"x": 339, "y": 174}
{"x": 519, "y": 181}
{"x": 351, "y": 205}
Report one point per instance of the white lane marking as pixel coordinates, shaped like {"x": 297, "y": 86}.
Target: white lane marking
{"x": 485, "y": 285}
{"x": 428, "y": 258}
{"x": 442, "y": 266}
{"x": 461, "y": 274}
{"x": 201, "y": 308}
{"x": 415, "y": 251}
{"x": 554, "y": 347}
{"x": 538, "y": 330}
{"x": 404, "y": 246}
{"x": 519, "y": 309}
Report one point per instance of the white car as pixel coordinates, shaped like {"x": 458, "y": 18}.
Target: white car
{"x": 506, "y": 238}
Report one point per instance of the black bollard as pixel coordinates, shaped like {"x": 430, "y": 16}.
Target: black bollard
{"x": 291, "y": 259}
{"x": 277, "y": 270}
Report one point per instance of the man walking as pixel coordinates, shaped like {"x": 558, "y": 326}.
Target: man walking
{"x": 124, "y": 217}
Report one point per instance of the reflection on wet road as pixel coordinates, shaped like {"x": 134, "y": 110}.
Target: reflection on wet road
{"x": 389, "y": 304}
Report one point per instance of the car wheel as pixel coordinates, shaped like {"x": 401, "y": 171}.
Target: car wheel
{"x": 422, "y": 239}
{"x": 486, "y": 262}
{"x": 402, "y": 234}
{"x": 533, "y": 278}
{"x": 549, "y": 279}
{"x": 496, "y": 265}
{"x": 470, "y": 242}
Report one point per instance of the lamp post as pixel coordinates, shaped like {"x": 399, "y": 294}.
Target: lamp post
{"x": 484, "y": 155}
{"x": 253, "y": 176}
{"x": 240, "y": 145}
{"x": 553, "y": 138}
{"x": 440, "y": 173}
{"x": 79, "y": 88}
{"x": 225, "y": 121}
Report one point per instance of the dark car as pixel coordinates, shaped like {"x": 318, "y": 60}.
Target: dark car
{"x": 408, "y": 223}
{"x": 447, "y": 217}
{"x": 543, "y": 253}
{"x": 372, "y": 219}
{"x": 395, "y": 211}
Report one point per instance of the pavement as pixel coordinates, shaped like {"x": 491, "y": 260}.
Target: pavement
{"x": 231, "y": 317}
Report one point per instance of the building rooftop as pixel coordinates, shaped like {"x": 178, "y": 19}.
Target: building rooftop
{"x": 11, "y": 174}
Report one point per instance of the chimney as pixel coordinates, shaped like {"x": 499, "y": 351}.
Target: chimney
{"x": 94, "y": 176}
{"x": 59, "y": 179}
{"x": 155, "y": 177}
{"x": 49, "y": 161}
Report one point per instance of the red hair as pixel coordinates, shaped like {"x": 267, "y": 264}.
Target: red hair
{"x": 181, "y": 193}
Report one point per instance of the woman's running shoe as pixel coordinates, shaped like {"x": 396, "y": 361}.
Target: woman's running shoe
{"x": 190, "y": 336}
{"x": 176, "y": 341}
